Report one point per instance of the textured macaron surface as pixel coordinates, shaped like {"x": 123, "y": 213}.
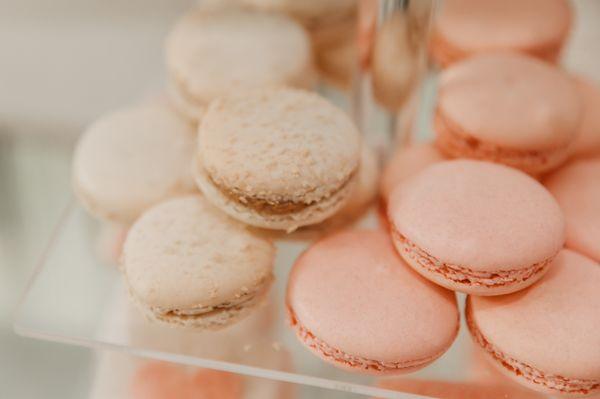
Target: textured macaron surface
{"x": 474, "y": 25}
{"x": 184, "y": 254}
{"x": 511, "y": 101}
{"x": 576, "y": 187}
{"x": 588, "y": 139}
{"x": 478, "y": 215}
{"x": 352, "y": 291}
{"x": 278, "y": 145}
{"x": 551, "y": 326}
{"x": 133, "y": 158}
{"x": 211, "y": 53}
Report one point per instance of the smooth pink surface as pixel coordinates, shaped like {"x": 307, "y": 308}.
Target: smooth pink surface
{"x": 576, "y": 187}
{"x": 512, "y": 101}
{"x": 480, "y": 215}
{"x": 405, "y": 163}
{"x": 553, "y": 325}
{"x": 476, "y": 25}
{"x": 588, "y": 139}
{"x": 352, "y": 291}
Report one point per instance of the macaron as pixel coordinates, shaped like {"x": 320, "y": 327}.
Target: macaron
{"x": 310, "y": 13}
{"x": 212, "y": 52}
{"x": 576, "y": 187}
{"x": 476, "y": 227}
{"x": 336, "y": 58}
{"x": 545, "y": 337}
{"x": 587, "y": 143}
{"x": 442, "y": 389}
{"x": 464, "y": 28}
{"x": 161, "y": 380}
{"x": 353, "y": 302}
{"x": 131, "y": 159}
{"x": 507, "y": 108}
{"x": 405, "y": 163}
{"x": 187, "y": 264}
{"x": 277, "y": 158}
{"x": 398, "y": 57}
{"x": 363, "y": 195}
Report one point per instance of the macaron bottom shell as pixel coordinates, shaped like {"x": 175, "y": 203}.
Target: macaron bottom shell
{"x": 216, "y": 318}
{"x": 354, "y": 363}
{"x": 462, "y": 278}
{"x": 306, "y": 215}
{"x": 525, "y": 374}
{"x": 454, "y": 142}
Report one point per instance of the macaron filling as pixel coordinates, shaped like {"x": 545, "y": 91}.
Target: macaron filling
{"x": 272, "y": 206}
{"x": 573, "y": 386}
{"x": 349, "y": 360}
{"x": 220, "y": 314}
{"x": 464, "y": 275}
{"x": 456, "y": 142}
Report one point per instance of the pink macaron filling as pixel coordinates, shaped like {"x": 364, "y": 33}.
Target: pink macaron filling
{"x": 464, "y": 275}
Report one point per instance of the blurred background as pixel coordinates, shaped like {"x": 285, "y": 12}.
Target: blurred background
{"x": 63, "y": 63}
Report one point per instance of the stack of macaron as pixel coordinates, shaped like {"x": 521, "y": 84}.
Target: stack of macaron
{"x": 241, "y": 157}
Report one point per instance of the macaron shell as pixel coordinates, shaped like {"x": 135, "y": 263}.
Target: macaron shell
{"x": 405, "y": 163}
{"x": 278, "y": 144}
{"x": 352, "y": 291}
{"x": 485, "y": 98}
{"x": 479, "y": 215}
{"x": 184, "y": 253}
{"x": 309, "y": 12}
{"x": 576, "y": 187}
{"x": 526, "y": 25}
{"x": 588, "y": 140}
{"x": 560, "y": 311}
{"x": 278, "y": 47}
{"x": 132, "y": 159}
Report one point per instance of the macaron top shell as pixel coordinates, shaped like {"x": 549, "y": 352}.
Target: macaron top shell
{"x": 278, "y": 144}
{"x": 405, "y": 163}
{"x": 553, "y": 325}
{"x": 588, "y": 139}
{"x": 475, "y": 25}
{"x": 211, "y": 53}
{"x": 510, "y": 100}
{"x": 478, "y": 215}
{"x": 183, "y": 253}
{"x": 576, "y": 187}
{"x": 353, "y": 291}
{"x": 133, "y": 158}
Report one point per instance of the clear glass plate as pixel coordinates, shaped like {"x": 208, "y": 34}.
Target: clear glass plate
{"x": 76, "y": 298}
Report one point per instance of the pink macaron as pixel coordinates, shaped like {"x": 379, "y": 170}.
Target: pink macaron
{"x": 353, "y": 302}
{"x": 576, "y": 187}
{"x": 587, "y": 143}
{"x": 405, "y": 163}
{"x": 161, "y": 380}
{"x": 463, "y": 28}
{"x": 547, "y": 336}
{"x": 476, "y": 227}
{"x": 507, "y": 108}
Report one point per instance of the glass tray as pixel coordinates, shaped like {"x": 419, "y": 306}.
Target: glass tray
{"x": 75, "y": 297}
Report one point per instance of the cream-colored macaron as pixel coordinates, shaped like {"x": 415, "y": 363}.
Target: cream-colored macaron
{"x": 277, "y": 158}
{"x": 132, "y": 159}
{"x": 214, "y": 51}
{"x": 188, "y": 264}
{"x": 308, "y": 12}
